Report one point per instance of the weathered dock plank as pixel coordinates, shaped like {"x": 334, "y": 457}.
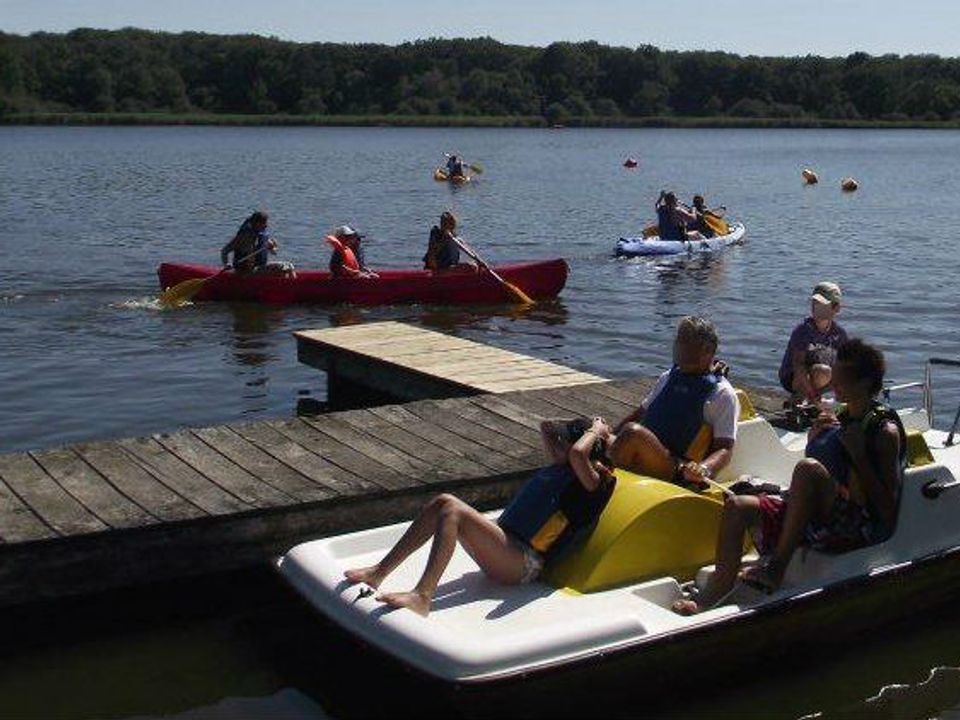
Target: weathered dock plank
{"x": 91, "y": 489}
{"x": 58, "y": 509}
{"x": 136, "y": 483}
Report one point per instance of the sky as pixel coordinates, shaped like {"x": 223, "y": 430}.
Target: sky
{"x": 746, "y": 27}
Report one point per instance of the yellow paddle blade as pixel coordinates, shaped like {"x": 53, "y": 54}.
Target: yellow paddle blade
{"x": 718, "y": 225}
{"x": 181, "y": 292}
{"x": 519, "y": 294}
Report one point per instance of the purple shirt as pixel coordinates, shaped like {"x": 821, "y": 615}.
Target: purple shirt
{"x": 804, "y": 338}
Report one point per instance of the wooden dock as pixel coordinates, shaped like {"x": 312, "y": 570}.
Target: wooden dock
{"x": 100, "y": 515}
{"x": 404, "y": 362}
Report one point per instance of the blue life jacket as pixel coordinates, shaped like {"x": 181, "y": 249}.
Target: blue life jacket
{"x": 552, "y": 508}
{"x": 667, "y": 227}
{"x": 827, "y": 449}
{"x": 676, "y": 414}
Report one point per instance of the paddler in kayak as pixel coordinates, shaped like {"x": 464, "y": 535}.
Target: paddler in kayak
{"x": 455, "y": 168}
{"x": 674, "y": 219}
{"x": 251, "y": 247}
{"x": 347, "y": 259}
{"x": 709, "y": 220}
{"x": 443, "y": 253}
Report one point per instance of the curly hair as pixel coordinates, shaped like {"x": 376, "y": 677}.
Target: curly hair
{"x": 866, "y": 360}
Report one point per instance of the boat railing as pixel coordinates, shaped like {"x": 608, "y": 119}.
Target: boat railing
{"x": 926, "y": 385}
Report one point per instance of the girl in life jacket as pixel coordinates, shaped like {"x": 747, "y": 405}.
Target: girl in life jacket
{"x": 544, "y": 518}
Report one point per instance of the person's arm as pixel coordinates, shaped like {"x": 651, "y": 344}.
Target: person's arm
{"x": 634, "y": 417}
{"x": 226, "y": 250}
{"x": 686, "y": 216}
{"x": 881, "y": 491}
{"x": 584, "y": 468}
{"x": 721, "y": 414}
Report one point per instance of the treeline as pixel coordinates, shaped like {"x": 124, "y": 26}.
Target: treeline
{"x": 136, "y": 71}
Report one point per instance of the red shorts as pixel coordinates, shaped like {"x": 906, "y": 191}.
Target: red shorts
{"x": 773, "y": 509}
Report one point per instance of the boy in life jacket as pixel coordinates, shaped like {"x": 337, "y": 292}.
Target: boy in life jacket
{"x": 685, "y": 429}
{"x": 347, "y": 259}
{"x": 543, "y": 518}
{"x": 843, "y": 495}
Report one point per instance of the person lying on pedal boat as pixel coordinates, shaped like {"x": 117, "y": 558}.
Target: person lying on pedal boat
{"x": 685, "y": 429}
{"x": 542, "y": 519}
{"x": 843, "y": 495}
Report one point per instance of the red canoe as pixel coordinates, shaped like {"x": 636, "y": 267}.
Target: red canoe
{"x": 540, "y": 280}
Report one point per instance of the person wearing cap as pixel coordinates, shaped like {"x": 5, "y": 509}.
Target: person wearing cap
{"x": 347, "y": 258}
{"x": 811, "y": 351}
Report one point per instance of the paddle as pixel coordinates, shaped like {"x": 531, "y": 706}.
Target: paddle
{"x": 184, "y": 291}
{"x": 516, "y": 292}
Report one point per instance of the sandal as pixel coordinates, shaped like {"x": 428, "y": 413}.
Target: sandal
{"x": 766, "y": 575}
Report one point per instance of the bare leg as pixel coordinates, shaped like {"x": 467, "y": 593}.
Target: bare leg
{"x": 637, "y": 449}
{"x": 416, "y": 535}
{"x": 482, "y": 538}
{"x": 740, "y": 512}
{"x": 812, "y": 492}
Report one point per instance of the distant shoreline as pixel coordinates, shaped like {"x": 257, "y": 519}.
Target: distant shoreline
{"x": 480, "y": 121}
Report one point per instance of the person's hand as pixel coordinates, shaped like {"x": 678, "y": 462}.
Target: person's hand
{"x": 272, "y": 245}
{"x": 720, "y": 368}
{"x": 600, "y": 428}
{"x": 693, "y": 473}
{"x": 822, "y": 422}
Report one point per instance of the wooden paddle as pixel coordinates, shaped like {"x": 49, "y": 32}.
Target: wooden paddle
{"x": 183, "y": 292}
{"x": 516, "y": 292}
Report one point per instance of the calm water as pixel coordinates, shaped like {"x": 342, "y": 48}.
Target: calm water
{"x": 91, "y": 212}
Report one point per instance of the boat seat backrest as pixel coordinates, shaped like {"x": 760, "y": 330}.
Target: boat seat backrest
{"x": 759, "y": 452}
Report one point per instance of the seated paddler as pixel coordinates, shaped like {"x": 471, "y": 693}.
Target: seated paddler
{"x": 547, "y": 514}
{"x": 843, "y": 495}
{"x": 685, "y": 428}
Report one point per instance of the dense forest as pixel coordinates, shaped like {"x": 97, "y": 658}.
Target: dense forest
{"x": 136, "y": 71}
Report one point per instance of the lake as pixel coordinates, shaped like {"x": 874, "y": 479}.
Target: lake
{"x": 92, "y": 212}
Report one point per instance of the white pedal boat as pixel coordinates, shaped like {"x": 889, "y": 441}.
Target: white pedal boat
{"x": 653, "y": 245}
{"x": 609, "y": 601}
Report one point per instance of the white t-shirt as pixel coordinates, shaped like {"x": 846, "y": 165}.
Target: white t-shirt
{"x": 720, "y": 411}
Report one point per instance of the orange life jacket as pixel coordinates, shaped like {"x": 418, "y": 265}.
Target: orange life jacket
{"x": 349, "y": 259}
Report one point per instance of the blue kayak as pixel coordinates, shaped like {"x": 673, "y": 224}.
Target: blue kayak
{"x": 654, "y": 246}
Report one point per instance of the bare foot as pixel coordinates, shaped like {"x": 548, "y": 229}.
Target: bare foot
{"x": 368, "y": 575}
{"x": 418, "y": 602}
{"x": 685, "y": 607}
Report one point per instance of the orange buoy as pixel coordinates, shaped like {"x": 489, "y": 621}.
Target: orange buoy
{"x": 848, "y": 184}
{"x": 809, "y": 176}
{"x": 630, "y": 163}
